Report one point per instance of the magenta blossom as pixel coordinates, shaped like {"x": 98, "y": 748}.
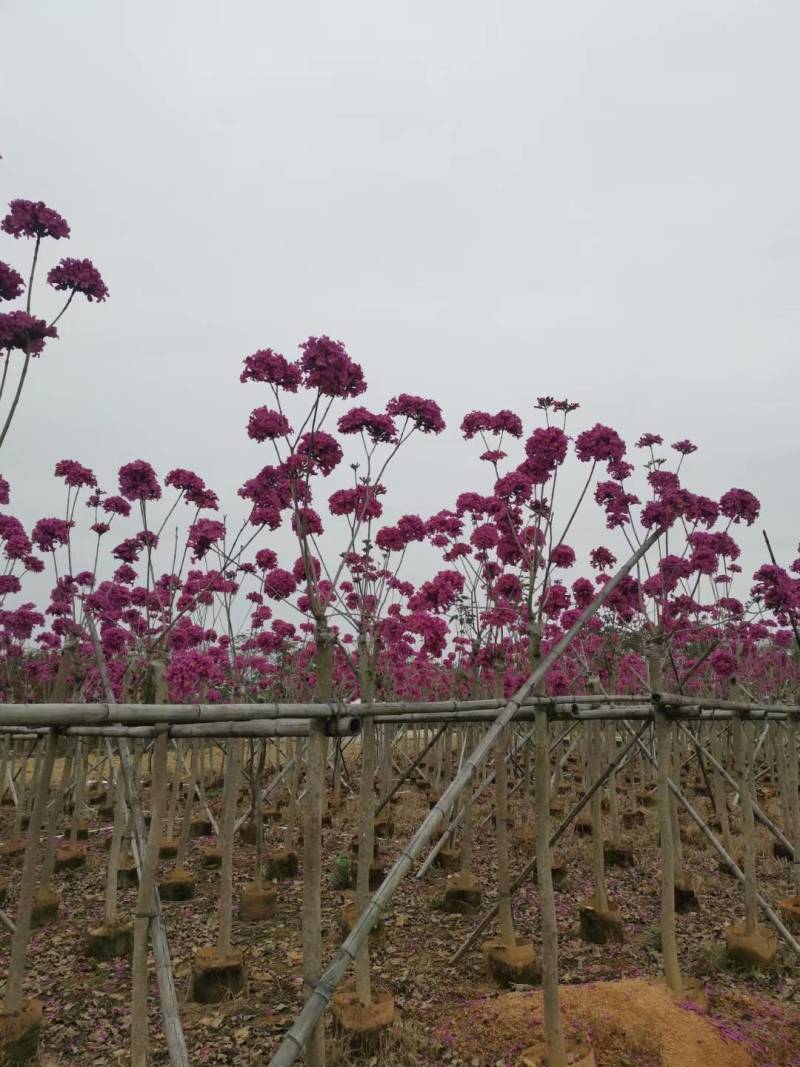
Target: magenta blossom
{"x": 601, "y": 559}
{"x": 138, "y": 481}
{"x": 319, "y": 452}
{"x": 379, "y": 428}
{"x": 11, "y": 283}
{"x": 29, "y": 218}
{"x": 739, "y": 505}
{"x": 79, "y": 276}
{"x": 74, "y": 474}
{"x": 426, "y": 415}
{"x": 203, "y": 534}
{"x": 272, "y": 368}
{"x": 684, "y": 447}
{"x": 48, "y": 534}
{"x": 647, "y": 440}
{"x": 116, "y": 505}
{"x": 327, "y": 367}
{"x": 599, "y": 444}
{"x": 267, "y": 425}
{"x": 562, "y": 556}
{"x": 26, "y": 332}
{"x": 279, "y": 584}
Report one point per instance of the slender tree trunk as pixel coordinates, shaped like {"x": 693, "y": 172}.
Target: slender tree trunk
{"x": 175, "y": 791}
{"x": 468, "y": 828}
{"x": 669, "y": 943}
{"x": 22, "y": 792}
{"x": 504, "y": 914}
{"x": 551, "y": 1006}
{"x": 366, "y": 815}
{"x": 674, "y": 821}
{"x": 186, "y": 821}
{"x": 718, "y": 785}
{"x": 19, "y": 940}
{"x": 145, "y": 908}
{"x": 230, "y": 795}
{"x": 743, "y": 746}
{"x": 53, "y": 819}
{"x": 114, "y": 854}
{"x": 612, "y": 749}
{"x": 794, "y": 828}
{"x": 294, "y": 790}
{"x": 598, "y": 854}
{"x": 80, "y": 790}
{"x": 312, "y": 840}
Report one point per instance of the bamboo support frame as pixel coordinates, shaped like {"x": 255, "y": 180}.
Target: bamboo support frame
{"x": 307, "y": 1021}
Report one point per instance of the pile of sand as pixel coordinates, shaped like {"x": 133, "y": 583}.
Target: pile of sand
{"x": 633, "y": 1021}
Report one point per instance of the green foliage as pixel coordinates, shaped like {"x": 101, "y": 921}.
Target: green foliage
{"x": 342, "y": 873}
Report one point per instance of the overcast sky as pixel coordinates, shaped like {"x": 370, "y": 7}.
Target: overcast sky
{"x": 486, "y": 201}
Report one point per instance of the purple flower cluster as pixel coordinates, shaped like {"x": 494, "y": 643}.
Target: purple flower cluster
{"x": 33, "y": 218}
{"x": 26, "y": 332}
{"x": 138, "y": 481}
{"x": 11, "y": 283}
{"x": 267, "y": 425}
{"x": 327, "y": 367}
{"x": 74, "y": 474}
{"x": 426, "y": 415}
{"x": 79, "y": 276}
{"x": 272, "y": 368}
{"x": 379, "y": 428}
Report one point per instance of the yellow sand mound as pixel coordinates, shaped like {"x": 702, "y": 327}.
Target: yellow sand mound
{"x": 630, "y": 1021}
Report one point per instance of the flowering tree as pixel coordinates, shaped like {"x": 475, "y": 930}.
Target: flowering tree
{"x": 20, "y": 330}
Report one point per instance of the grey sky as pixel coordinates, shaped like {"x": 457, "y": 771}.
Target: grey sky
{"x": 484, "y": 201}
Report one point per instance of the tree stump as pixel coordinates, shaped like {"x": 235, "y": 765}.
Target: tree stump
{"x": 362, "y": 1023}
{"x": 578, "y": 1055}
{"x": 507, "y": 963}
{"x": 790, "y": 912}
{"x": 177, "y": 885}
{"x": 19, "y": 1033}
{"x": 70, "y": 857}
{"x": 217, "y": 976}
{"x": 617, "y": 854}
{"x": 685, "y": 896}
{"x": 211, "y": 856}
{"x": 45, "y": 907}
{"x": 282, "y": 864}
{"x": 257, "y": 902}
{"x": 168, "y": 848}
{"x": 755, "y": 951}
{"x": 463, "y": 894}
{"x": 601, "y": 926}
{"x": 110, "y": 942}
